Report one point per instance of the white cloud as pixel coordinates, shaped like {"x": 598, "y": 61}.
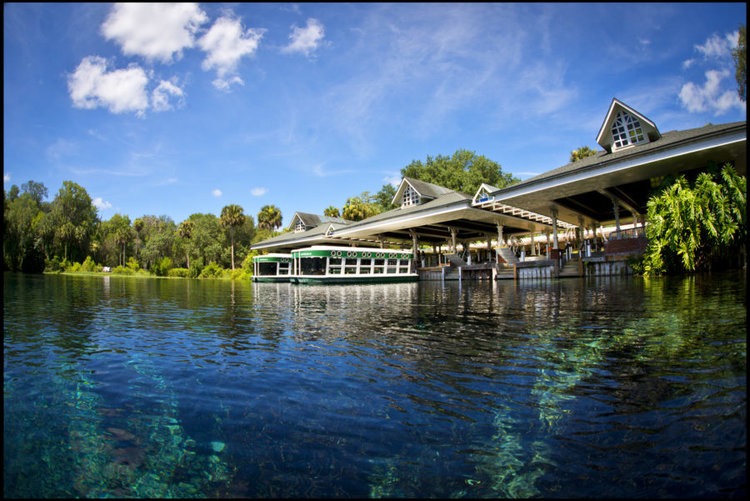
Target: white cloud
{"x": 225, "y": 44}
{"x": 101, "y": 204}
{"x": 226, "y": 85}
{"x": 6, "y": 177}
{"x": 306, "y": 40}
{"x": 709, "y": 96}
{"x": 156, "y": 31}
{"x": 717, "y": 47}
{"x": 258, "y": 192}
{"x": 216, "y": 192}
{"x": 92, "y": 86}
{"x": 160, "y": 97}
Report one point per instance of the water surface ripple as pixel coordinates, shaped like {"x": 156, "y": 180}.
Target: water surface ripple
{"x": 604, "y": 387}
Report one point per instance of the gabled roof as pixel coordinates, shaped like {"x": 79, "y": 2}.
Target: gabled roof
{"x": 313, "y": 220}
{"x": 427, "y": 191}
{"x": 604, "y": 137}
{"x": 484, "y": 193}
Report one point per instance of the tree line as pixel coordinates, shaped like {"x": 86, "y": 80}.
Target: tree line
{"x": 695, "y": 222}
{"x": 66, "y": 234}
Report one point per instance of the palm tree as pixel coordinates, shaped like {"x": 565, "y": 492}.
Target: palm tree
{"x": 232, "y": 216}
{"x": 331, "y": 211}
{"x": 269, "y": 217}
{"x": 581, "y": 153}
{"x": 185, "y": 231}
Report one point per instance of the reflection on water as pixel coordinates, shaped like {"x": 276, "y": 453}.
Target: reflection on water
{"x": 608, "y": 387}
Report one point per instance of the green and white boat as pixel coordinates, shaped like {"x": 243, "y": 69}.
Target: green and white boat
{"x": 327, "y": 264}
{"x": 274, "y": 267}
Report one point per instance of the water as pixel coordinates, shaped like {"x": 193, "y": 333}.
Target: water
{"x": 607, "y": 387}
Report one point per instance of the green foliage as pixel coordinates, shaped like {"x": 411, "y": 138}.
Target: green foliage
{"x": 89, "y": 265}
{"x": 232, "y": 217}
{"x": 162, "y": 267}
{"x": 178, "y": 273}
{"x": 581, "y": 153}
{"x": 695, "y": 228}
{"x": 121, "y": 270}
{"x": 331, "y": 211}
{"x": 269, "y": 217}
{"x": 361, "y": 207}
{"x": 464, "y": 172}
{"x": 133, "y": 264}
{"x": 740, "y": 64}
{"x": 211, "y": 270}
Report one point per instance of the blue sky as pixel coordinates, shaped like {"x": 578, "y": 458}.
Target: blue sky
{"x": 175, "y": 109}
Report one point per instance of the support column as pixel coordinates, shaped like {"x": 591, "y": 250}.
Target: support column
{"x": 616, "y": 208}
{"x": 454, "y": 233}
{"x": 414, "y": 245}
{"x": 499, "y": 241}
{"x": 546, "y": 234}
{"x": 533, "y": 245}
{"x": 555, "y": 244}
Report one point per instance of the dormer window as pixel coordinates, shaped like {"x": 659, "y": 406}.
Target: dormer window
{"x": 300, "y": 226}
{"x": 627, "y": 131}
{"x": 411, "y": 197}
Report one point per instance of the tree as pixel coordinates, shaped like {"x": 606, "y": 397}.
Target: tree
{"x": 384, "y": 198}
{"x": 22, "y": 215}
{"x": 692, "y": 228}
{"x": 331, "y": 211}
{"x": 185, "y": 231}
{"x": 581, "y": 153}
{"x": 740, "y": 64}
{"x": 73, "y": 220}
{"x": 232, "y": 216}
{"x": 361, "y": 207}
{"x": 119, "y": 227}
{"x": 157, "y": 236}
{"x": 464, "y": 172}
{"x": 269, "y": 217}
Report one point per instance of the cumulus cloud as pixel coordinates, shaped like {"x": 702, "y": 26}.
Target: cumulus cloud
{"x": 101, "y": 204}
{"x": 306, "y": 40}
{"x": 92, "y": 86}
{"x": 6, "y": 177}
{"x": 717, "y": 47}
{"x": 713, "y": 94}
{"x": 216, "y": 192}
{"x": 160, "y": 97}
{"x": 155, "y": 31}
{"x": 225, "y": 44}
{"x": 258, "y": 192}
{"x": 710, "y": 96}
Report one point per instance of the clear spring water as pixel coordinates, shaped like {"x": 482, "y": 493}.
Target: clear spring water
{"x": 605, "y": 387}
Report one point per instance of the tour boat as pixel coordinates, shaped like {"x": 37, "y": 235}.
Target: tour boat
{"x": 274, "y": 267}
{"x": 324, "y": 264}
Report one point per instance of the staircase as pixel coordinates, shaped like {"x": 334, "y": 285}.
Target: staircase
{"x": 571, "y": 269}
{"x": 505, "y": 270}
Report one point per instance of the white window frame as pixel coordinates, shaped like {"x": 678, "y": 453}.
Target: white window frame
{"x": 411, "y": 197}
{"x": 627, "y": 131}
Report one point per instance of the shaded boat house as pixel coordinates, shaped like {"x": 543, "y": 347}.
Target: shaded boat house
{"x": 586, "y": 217}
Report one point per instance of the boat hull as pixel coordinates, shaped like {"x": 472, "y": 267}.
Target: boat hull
{"x": 373, "y": 279}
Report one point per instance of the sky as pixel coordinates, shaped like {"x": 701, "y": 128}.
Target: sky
{"x": 176, "y": 109}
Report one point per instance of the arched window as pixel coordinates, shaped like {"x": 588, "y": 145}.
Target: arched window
{"x": 411, "y": 197}
{"x": 627, "y": 131}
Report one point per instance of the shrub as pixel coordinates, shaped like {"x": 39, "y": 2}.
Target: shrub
{"x": 179, "y": 273}
{"x": 89, "y": 265}
{"x": 133, "y": 264}
{"x": 162, "y": 267}
{"x": 121, "y": 270}
{"x": 211, "y": 270}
